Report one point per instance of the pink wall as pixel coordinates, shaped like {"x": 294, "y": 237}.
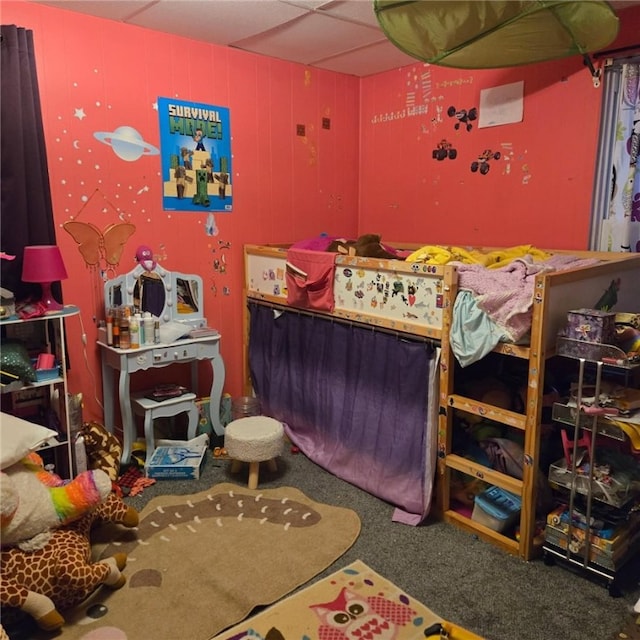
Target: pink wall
{"x": 538, "y": 192}
{"x": 359, "y": 176}
{"x": 286, "y": 187}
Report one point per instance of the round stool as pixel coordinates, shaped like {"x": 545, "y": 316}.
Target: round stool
{"x": 254, "y": 440}
{"x": 152, "y": 409}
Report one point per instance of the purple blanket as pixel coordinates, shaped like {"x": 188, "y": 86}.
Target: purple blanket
{"x": 506, "y": 294}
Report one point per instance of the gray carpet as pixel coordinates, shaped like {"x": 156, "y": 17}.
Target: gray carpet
{"x": 459, "y": 577}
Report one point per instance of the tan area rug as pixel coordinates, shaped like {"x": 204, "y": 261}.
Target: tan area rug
{"x": 354, "y": 602}
{"x": 630, "y": 628}
{"x": 203, "y": 562}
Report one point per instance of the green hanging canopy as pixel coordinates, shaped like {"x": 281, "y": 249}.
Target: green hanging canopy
{"x": 504, "y": 33}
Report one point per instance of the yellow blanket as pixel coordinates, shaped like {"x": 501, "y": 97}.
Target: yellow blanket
{"x": 437, "y": 254}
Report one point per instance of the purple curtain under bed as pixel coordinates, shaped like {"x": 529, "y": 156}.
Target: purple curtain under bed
{"x": 360, "y": 403}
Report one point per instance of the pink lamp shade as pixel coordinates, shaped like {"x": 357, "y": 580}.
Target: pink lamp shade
{"x": 43, "y": 264}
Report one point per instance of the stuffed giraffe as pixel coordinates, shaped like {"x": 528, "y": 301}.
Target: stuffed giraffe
{"x": 103, "y": 449}
{"x": 45, "y": 562}
{"x": 61, "y": 574}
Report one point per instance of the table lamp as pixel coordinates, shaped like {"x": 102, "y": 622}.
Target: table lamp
{"x": 43, "y": 264}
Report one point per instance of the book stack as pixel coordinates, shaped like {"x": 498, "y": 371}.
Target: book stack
{"x": 163, "y": 392}
{"x": 611, "y": 542}
{"x": 202, "y": 332}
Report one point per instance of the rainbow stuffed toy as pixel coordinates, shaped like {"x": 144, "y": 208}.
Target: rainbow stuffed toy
{"x": 35, "y": 501}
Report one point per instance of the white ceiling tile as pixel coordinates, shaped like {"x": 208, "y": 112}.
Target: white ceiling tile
{"x": 118, "y": 10}
{"x": 375, "y": 58}
{"x": 354, "y": 10}
{"x": 308, "y": 5}
{"x": 311, "y": 37}
{"x": 216, "y": 21}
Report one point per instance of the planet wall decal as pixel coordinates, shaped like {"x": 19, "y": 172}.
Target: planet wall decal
{"x": 126, "y": 143}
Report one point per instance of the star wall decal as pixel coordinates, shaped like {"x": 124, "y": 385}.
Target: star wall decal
{"x": 80, "y": 114}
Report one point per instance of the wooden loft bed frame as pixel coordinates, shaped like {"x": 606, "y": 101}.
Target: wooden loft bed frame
{"x": 555, "y": 294}
{"x": 436, "y": 288}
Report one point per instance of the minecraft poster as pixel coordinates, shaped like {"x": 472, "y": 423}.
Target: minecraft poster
{"x": 195, "y": 150}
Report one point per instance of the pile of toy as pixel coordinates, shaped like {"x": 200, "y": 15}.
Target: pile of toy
{"x": 46, "y": 563}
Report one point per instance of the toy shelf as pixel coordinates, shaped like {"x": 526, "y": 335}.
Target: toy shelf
{"x": 597, "y": 490}
{"x": 49, "y": 392}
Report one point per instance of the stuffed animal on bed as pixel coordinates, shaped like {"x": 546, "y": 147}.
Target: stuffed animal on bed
{"x": 45, "y": 562}
{"x": 366, "y": 246}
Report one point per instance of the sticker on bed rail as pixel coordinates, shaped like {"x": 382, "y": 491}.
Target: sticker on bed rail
{"x": 414, "y": 297}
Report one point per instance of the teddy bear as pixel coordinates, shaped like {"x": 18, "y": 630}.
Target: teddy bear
{"x": 367, "y": 246}
{"x": 45, "y": 561}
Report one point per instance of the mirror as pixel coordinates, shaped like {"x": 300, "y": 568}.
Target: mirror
{"x": 187, "y": 296}
{"x": 170, "y": 296}
{"x": 149, "y": 293}
{"x": 188, "y": 292}
{"x": 147, "y": 290}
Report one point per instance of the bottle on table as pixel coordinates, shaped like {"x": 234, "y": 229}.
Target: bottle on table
{"x": 116, "y": 330}
{"x": 140, "y": 328}
{"x": 134, "y": 332}
{"x": 148, "y": 322}
{"x": 109, "y": 320}
{"x": 125, "y": 338}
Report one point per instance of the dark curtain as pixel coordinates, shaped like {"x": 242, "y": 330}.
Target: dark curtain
{"x": 355, "y": 400}
{"x": 27, "y": 214}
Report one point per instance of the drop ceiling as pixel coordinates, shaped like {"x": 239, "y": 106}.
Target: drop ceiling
{"x": 337, "y": 35}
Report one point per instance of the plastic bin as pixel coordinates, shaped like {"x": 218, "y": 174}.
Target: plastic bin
{"x": 496, "y": 508}
{"x": 45, "y": 375}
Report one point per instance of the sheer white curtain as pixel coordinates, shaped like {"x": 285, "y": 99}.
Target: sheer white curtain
{"x": 616, "y": 202}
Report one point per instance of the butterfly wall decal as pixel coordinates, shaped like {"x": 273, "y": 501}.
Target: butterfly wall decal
{"x": 96, "y": 245}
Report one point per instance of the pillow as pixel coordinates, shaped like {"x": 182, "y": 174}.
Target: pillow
{"x": 19, "y": 438}
{"x": 15, "y": 360}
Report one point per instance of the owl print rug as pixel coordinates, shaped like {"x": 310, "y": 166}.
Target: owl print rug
{"x": 353, "y": 603}
{"x": 200, "y": 563}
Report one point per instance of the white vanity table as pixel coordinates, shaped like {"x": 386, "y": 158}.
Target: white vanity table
{"x": 126, "y": 362}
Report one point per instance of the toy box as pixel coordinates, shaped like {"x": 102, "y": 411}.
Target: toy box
{"x": 176, "y": 462}
{"x": 496, "y": 508}
{"x": 591, "y": 325}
